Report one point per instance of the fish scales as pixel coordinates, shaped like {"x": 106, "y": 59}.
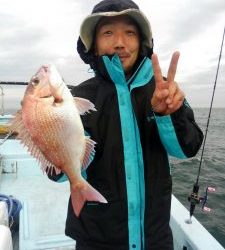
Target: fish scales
{"x": 49, "y": 125}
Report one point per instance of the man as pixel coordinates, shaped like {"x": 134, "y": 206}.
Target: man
{"x": 141, "y": 118}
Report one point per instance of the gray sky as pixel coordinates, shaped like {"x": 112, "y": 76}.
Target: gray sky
{"x": 33, "y": 33}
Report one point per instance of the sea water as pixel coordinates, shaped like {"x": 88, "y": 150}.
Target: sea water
{"x": 212, "y": 173}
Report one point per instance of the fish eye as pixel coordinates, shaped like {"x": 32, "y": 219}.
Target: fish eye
{"x": 35, "y": 81}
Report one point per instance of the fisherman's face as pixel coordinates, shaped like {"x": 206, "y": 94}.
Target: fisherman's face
{"x": 118, "y": 35}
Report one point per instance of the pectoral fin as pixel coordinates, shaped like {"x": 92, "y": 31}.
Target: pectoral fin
{"x": 83, "y": 105}
{"x": 89, "y": 152}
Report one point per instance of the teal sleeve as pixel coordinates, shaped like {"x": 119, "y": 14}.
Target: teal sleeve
{"x": 168, "y": 136}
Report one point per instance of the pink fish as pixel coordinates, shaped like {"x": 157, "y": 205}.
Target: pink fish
{"x": 49, "y": 125}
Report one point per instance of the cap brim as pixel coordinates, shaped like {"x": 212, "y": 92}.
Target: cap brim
{"x": 88, "y": 26}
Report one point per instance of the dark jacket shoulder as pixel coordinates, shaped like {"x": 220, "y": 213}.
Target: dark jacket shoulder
{"x": 86, "y": 88}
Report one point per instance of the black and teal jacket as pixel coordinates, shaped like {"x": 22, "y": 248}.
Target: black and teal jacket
{"x": 130, "y": 168}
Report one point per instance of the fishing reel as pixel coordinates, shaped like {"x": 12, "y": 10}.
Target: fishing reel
{"x": 203, "y": 199}
{"x": 195, "y": 199}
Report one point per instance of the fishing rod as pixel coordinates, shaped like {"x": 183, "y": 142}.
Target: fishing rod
{"x": 26, "y": 83}
{"x": 13, "y": 83}
{"x": 194, "y": 198}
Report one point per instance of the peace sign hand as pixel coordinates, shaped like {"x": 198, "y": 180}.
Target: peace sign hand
{"x": 167, "y": 97}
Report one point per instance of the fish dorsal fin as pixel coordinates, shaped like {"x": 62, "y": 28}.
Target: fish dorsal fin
{"x": 89, "y": 152}
{"x": 17, "y": 125}
{"x": 83, "y": 105}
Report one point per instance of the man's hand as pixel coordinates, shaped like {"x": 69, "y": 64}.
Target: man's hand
{"x": 167, "y": 97}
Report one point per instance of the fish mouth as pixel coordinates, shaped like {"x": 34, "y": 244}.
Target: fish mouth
{"x": 46, "y": 96}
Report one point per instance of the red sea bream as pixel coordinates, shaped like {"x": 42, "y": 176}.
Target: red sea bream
{"x": 49, "y": 125}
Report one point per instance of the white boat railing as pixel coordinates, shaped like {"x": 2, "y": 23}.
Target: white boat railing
{"x": 192, "y": 236}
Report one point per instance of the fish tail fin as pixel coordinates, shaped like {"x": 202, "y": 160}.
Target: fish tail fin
{"x": 83, "y": 192}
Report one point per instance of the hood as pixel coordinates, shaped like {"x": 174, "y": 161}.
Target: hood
{"x": 112, "y": 8}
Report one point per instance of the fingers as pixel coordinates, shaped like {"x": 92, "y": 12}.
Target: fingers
{"x": 159, "y": 96}
{"x": 173, "y": 67}
{"x": 173, "y": 90}
{"x": 156, "y": 69}
{"x": 177, "y": 100}
{"x": 174, "y": 107}
{"x": 167, "y": 101}
{"x": 167, "y": 97}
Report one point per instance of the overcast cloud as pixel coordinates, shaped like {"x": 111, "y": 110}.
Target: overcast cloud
{"x": 33, "y": 33}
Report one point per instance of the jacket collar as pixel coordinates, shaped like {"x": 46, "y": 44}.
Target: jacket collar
{"x": 110, "y": 68}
